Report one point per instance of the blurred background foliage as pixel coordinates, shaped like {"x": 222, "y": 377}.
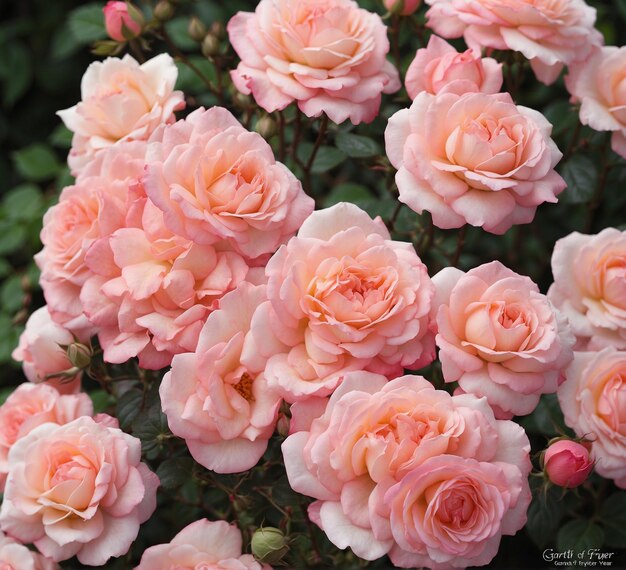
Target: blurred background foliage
{"x": 45, "y": 49}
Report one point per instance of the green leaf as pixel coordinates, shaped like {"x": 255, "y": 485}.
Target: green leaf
{"x": 580, "y": 535}
{"x": 347, "y": 192}
{"x": 544, "y": 515}
{"x": 9, "y": 337}
{"x": 102, "y": 400}
{"x": 86, "y": 23}
{"x": 175, "y": 472}
{"x": 12, "y": 294}
{"x": 613, "y": 516}
{"x": 327, "y": 157}
{"x": 562, "y": 115}
{"x": 12, "y": 236}
{"x": 128, "y": 407}
{"x": 23, "y": 202}
{"x": 5, "y": 393}
{"x": 357, "y": 146}
{"x": 546, "y": 419}
{"x": 16, "y": 71}
{"x": 36, "y": 162}
{"x": 150, "y": 426}
{"x": 188, "y": 79}
{"x": 61, "y": 137}
{"x": 581, "y": 175}
{"x": 177, "y": 30}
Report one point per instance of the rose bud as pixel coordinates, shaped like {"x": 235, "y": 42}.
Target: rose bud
{"x": 269, "y": 544}
{"x": 196, "y": 29}
{"x": 402, "y": 7}
{"x": 122, "y": 20}
{"x": 567, "y": 463}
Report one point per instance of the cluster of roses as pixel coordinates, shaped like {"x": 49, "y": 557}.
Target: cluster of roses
{"x": 177, "y": 245}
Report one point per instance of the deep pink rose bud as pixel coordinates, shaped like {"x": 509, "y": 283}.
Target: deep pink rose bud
{"x": 567, "y": 463}
{"x": 122, "y": 24}
{"x": 404, "y": 8}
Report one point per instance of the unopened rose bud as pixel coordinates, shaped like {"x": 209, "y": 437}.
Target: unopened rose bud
{"x": 402, "y": 7}
{"x": 210, "y": 46}
{"x": 122, "y": 20}
{"x": 218, "y": 30}
{"x": 241, "y": 99}
{"x": 269, "y": 545}
{"x": 164, "y": 11}
{"x": 567, "y": 463}
{"x": 196, "y": 29}
{"x": 79, "y": 355}
{"x": 266, "y": 127}
{"x": 282, "y": 425}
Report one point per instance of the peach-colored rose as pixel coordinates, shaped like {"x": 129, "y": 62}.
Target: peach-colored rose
{"x": 499, "y": 337}
{"x": 152, "y": 290}
{"x": 342, "y": 296}
{"x": 202, "y": 544}
{"x": 550, "y": 33}
{"x": 40, "y": 352}
{"x": 119, "y": 24}
{"x": 593, "y": 400}
{"x": 217, "y": 398}
{"x": 567, "y": 463}
{"x": 31, "y": 405}
{"x": 16, "y": 556}
{"x": 77, "y": 489}
{"x": 403, "y": 7}
{"x": 214, "y": 181}
{"x": 599, "y": 83}
{"x": 475, "y": 158}
{"x": 328, "y": 55}
{"x": 373, "y": 433}
{"x": 121, "y": 101}
{"x": 439, "y": 68}
{"x": 590, "y": 287}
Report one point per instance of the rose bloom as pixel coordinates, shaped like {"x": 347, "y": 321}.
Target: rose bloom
{"x": 549, "y": 33}
{"x": 475, "y": 158}
{"x": 593, "y": 402}
{"x": 407, "y": 7}
{"x": 499, "y": 337}
{"x": 41, "y": 355}
{"x": 152, "y": 290}
{"x": 214, "y": 180}
{"x": 121, "y": 101}
{"x": 328, "y": 55}
{"x": 202, "y": 544}
{"x": 78, "y": 489}
{"x": 116, "y": 18}
{"x": 439, "y": 68}
{"x": 590, "y": 287}
{"x": 567, "y": 463}
{"x": 217, "y": 398}
{"x": 16, "y": 556}
{"x": 599, "y": 83}
{"x": 342, "y": 296}
{"x": 372, "y": 434}
{"x": 31, "y": 405}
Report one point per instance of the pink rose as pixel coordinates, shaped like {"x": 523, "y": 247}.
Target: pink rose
{"x": 593, "y": 400}
{"x": 16, "y": 556}
{"x": 214, "y": 181}
{"x": 217, "y": 398}
{"x": 202, "y": 544}
{"x": 342, "y": 296}
{"x": 549, "y": 34}
{"x": 121, "y": 101}
{"x": 599, "y": 83}
{"x": 40, "y": 354}
{"x": 567, "y": 463}
{"x": 372, "y": 434}
{"x": 78, "y": 489}
{"x": 475, "y": 158}
{"x": 403, "y": 7}
{"x": 590, "y": 287}
{"x": 328, "y": 55}
{"x": 31, "y": 405}
{"x": 499, "y": 337}
{"x": 120, "y": 25}
{"x": 439, "y": 68}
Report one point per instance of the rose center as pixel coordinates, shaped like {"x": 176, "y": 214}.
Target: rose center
{"x": 244, "y": 387}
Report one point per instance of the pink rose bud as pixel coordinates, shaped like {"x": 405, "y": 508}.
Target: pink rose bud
{"x": 567, "y": 463}
{"x": 402, "y": 7}
{"x": 121, "y": 23}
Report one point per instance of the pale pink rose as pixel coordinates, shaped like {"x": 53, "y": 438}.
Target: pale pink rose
{"x": 16, "y": 556}
{"x": 328, "y": 55}
{"x": 121, "y": 101}
{"x": 214, "y": 181}
{"x": 439, "y": 68}
{"x": 404, "y": 7}
{"x": 567, "y": 463}
{"x": 599, "y": 84}
{"x": 116, "y": 18}
{"x": 550, "y": 34}
{"x": 499, "y": 337}
{"x": 41, "y": 355}
{"x": 475, "y": 158}
{"x": 31, "y": 405}
{"x": 152, "y": 290}
{"x": 90, "y": 210}
{"x": 372, "y": 433}
{"x": 342, "y": 296}
{"x": 202, "y": 544}
{"x": 593, "y": 400}
{"x": 77, "y": 489}
{"x": 217, "y": 398}
{"x": 590, "y": 287}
